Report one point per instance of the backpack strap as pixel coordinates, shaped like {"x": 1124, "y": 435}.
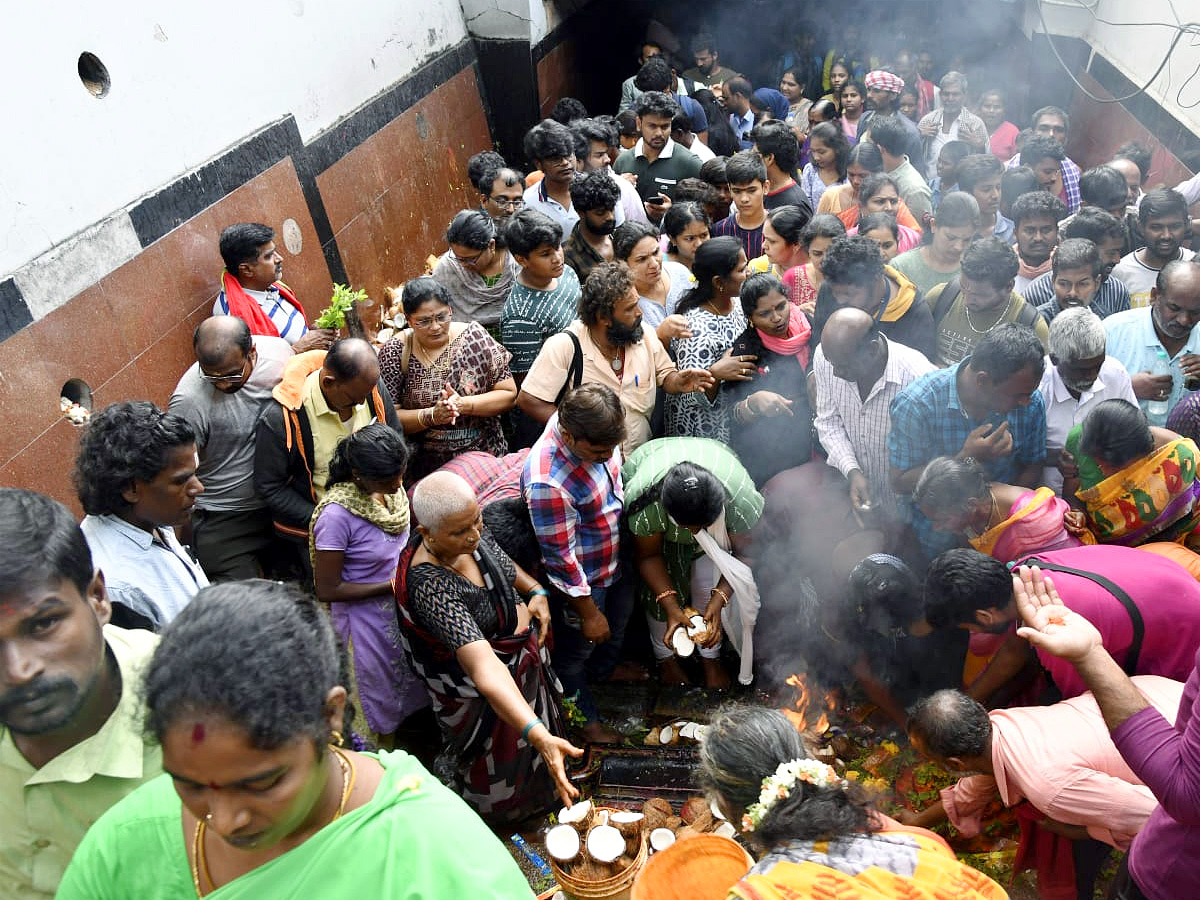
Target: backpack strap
{"x": 946, "y": 299}
{"x": 1135, "y": 615}
{"x": 1029, "y": 315}
{"x": 575, "y": 370}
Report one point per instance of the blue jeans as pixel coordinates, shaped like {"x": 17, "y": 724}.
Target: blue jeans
{"x": 572, "y": 651}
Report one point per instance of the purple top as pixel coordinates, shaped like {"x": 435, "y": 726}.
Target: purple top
{"x": 1167, "y": 596}
{"x": 371, "y": 553}
{"x": 1167, "y": 759}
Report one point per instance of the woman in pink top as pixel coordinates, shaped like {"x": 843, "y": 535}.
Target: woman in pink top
{"x": 803, "y": 281}
{"x": 853, "y": 96}
{"x": 1002, "y": 140}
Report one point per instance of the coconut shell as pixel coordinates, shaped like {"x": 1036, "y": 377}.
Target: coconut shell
{"x": 662, "y": 838}
{"x": 674, "y": 823}
{"x": 687, "y": 831}
{"x": 651, "y": 738}
{"x": 692, "y": 809}
{"x": 704, "y": 821}
{"x": 605, "y": 844}
{"x": 579, "y": 816}
{"x": 657, "y": 810}
{"x": 629, "y": 824}
{"x": 563, "y": 843}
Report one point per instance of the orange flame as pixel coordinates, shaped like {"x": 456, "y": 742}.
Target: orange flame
{"x": 799, "y": 712}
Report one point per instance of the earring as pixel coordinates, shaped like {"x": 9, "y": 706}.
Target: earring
{"x": 335, "y": 738}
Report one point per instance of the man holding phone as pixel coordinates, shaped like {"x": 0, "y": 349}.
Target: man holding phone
{"x": 657, "y": 161}
{"x": 987, "y": 407}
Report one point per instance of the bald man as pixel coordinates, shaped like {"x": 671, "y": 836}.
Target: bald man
{"x": 321, "y": 398}
{"x": 1133, "y": 178}
{"x": 857, "y": 371}
{"x": 222, "y": 396}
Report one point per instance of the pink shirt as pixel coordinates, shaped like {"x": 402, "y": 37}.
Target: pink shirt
{"x": 1061, "y": 759}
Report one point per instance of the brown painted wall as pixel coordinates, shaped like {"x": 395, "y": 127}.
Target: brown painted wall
{"x": 129, "y": 336}
{"x": 1097, "y": 129}
{"x": 390, "y": 199}
{"x": 556, "y": 75}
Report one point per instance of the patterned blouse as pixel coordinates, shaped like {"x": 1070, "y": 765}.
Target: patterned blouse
{"x": 694, "y": 414}
{"x": 473, "y": 363}
{"x": 800, "y": 288}
{"x": 452, "y": 607}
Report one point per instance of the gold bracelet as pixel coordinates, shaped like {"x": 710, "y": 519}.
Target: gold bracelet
{"x": 724, "y": 596}
{"x": 669, "y": 592}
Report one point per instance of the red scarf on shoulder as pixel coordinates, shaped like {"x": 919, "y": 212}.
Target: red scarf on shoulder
{"x": 796, "y": 343}
{"x": 247, "y": 309}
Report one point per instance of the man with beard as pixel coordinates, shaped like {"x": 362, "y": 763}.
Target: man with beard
{"x": 657, "y": 161}
{"x": 1080, "y": 375}
{"x": 1139, "y": 337}
{"x": 608, "y": 344}
{"x": 951, "y": 122}
{"x": 708, "y": 70}
{"x": 1125, "y": 592}
{"x": 1075, "y": 280}
{"x": 883, "y": 100}
{"x": 71, "y": 741}
{"x": 1163, "y": 217}
{"x": 1035, "y": 225}
{"x": 595, "y": 197}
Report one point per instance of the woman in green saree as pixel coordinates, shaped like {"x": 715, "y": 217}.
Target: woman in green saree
{"x": 245, "y": 695}
{"x": 1136, "y": 483}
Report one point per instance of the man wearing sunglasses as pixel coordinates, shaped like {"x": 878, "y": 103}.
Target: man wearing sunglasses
{"x": 221, "y": 396}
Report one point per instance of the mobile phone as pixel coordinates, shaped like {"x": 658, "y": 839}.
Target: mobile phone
{"x": 657, "y": 200}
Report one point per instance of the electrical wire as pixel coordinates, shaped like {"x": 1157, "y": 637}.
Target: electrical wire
{"x": 1180, "y": 31}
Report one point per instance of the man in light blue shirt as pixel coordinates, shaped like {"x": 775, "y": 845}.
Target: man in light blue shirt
{"x": 136, "y": 480}
{"x": 1168, "y": 324}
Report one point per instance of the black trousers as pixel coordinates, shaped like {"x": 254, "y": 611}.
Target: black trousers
{"x": 235, "y": 545}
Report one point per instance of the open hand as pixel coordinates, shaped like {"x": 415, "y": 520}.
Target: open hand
{"x": 695, "y": 380}
{"x": 733, "y": 368}
{"x": 673, "y": 327}
{"x": 555, "y": 750}
{"x": 1049, "y": 624}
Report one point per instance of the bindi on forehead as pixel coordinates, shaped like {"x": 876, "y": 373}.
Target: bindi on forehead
{"x": 198, "y": 733}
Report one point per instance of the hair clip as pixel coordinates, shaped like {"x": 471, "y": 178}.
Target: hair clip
{"x": 691, "y": 483}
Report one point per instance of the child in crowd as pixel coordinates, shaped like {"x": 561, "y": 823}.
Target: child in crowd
{"x": 981, "y": 175}
{"x": 748, "y": 184}
{"x": 946, "y": 180}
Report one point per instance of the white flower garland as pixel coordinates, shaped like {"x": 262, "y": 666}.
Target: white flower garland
{"x": 778, "y": 786}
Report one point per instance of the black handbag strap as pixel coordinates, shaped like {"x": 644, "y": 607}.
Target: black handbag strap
{"x": 1135, "y": 615}
{"x": 574, "y": 371}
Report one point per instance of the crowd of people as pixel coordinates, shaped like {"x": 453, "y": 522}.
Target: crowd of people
{"x": 849, "y": 366}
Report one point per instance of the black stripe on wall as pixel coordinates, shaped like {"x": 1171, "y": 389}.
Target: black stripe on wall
{"x": 1169, "y": 131}
{"x": 176, "y": 203}
{"x": 14, "y": 311}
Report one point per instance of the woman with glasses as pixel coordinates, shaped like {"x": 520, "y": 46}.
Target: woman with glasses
{"x": 450, "y": 380}
{"x": 477, "y": 270}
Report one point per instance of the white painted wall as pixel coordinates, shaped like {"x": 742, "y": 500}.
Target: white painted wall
{"x": 188, "y": 81}
{"x": 1136, "y": 49}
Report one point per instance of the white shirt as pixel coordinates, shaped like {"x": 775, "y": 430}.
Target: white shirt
{"x": 1139, "y": 278}
{"x": 1064, "y": 412}
{"x": 701, "y": 150}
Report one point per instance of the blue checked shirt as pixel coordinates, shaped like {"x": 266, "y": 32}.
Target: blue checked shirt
{"x": 928, "y": 421}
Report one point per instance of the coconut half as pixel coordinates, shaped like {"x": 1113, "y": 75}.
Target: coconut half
{"x": 681, "y": 643}
{"x": 605, "y": 844}
{"x": 715, "y": 810}
{"x": 661, "y": 838}
{"x": 578, "y": 815}
{"x": 628, "y": 823}
{"x": 725, "y": 829}
{"x": 562, "y": 842}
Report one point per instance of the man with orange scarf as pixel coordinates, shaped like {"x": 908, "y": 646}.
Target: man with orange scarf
{"x": 252, "y": 291}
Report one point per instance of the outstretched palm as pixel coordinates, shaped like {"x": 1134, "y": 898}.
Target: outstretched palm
{"x": 1049, "y": 624}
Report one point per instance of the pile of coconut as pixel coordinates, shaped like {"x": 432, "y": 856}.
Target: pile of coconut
{"x": 675, "y": 732}
{"x": 593, "y": 844}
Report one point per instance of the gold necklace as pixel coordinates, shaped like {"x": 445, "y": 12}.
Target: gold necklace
{"x": 200, "y": 859}
{"x": 971, "y": 324}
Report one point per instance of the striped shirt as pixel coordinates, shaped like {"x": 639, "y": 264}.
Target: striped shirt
{"x": 575, "y": 507}
{"x": 929, "y": 421}
{"x": 1111, "y": 297}
{"x": 751, "y": 238}
{"x": 530, "y": 316}
{"x": 854, "y": 431}
{"x": 650, "y": 463}
{"x": 283, "y": 315}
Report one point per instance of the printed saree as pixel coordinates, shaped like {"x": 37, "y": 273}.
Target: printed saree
{"x": 1034, "y": 525}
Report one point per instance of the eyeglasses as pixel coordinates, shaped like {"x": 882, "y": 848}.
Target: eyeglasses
{"x": 233, "y": 378}
{"x": 467, "y": 260}
{"x": 505, "y": 203}
{"x": 426, "y": 321}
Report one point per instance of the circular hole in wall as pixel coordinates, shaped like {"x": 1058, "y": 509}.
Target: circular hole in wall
{"x": 293, "y": 239}
{"x": 94, "y": 74}
{"x": 75, "y": 401}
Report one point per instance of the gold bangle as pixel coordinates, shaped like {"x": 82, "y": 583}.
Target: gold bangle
{"x": 724, "y": 596}
{"x": 669, "y": 592}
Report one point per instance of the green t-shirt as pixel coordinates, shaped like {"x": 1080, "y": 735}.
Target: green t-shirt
{"x": 650, "y": 463}
{"x": 414, "y": 840}
{"x": 911, "y": 264}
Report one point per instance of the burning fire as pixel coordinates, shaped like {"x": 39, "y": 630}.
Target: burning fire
{"x": 800, "y": 712}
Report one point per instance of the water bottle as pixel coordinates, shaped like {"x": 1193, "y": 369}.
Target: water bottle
{"x": 1156, "y": 409}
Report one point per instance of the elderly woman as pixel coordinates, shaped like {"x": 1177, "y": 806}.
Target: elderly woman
{"x": 245, "y": 695}
{"x": 358, "y": 530}
{"x": 688, "y": 501}
{"x": 772, "y": 416}
{"x": 1137, "y": 483}
{"x": 450, "y": 380}
{"x": 475, "y": 626}
{"x": 476, "y": 270}
{"x": 1004, "y": 521}
{"x": 815, "y": 828}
